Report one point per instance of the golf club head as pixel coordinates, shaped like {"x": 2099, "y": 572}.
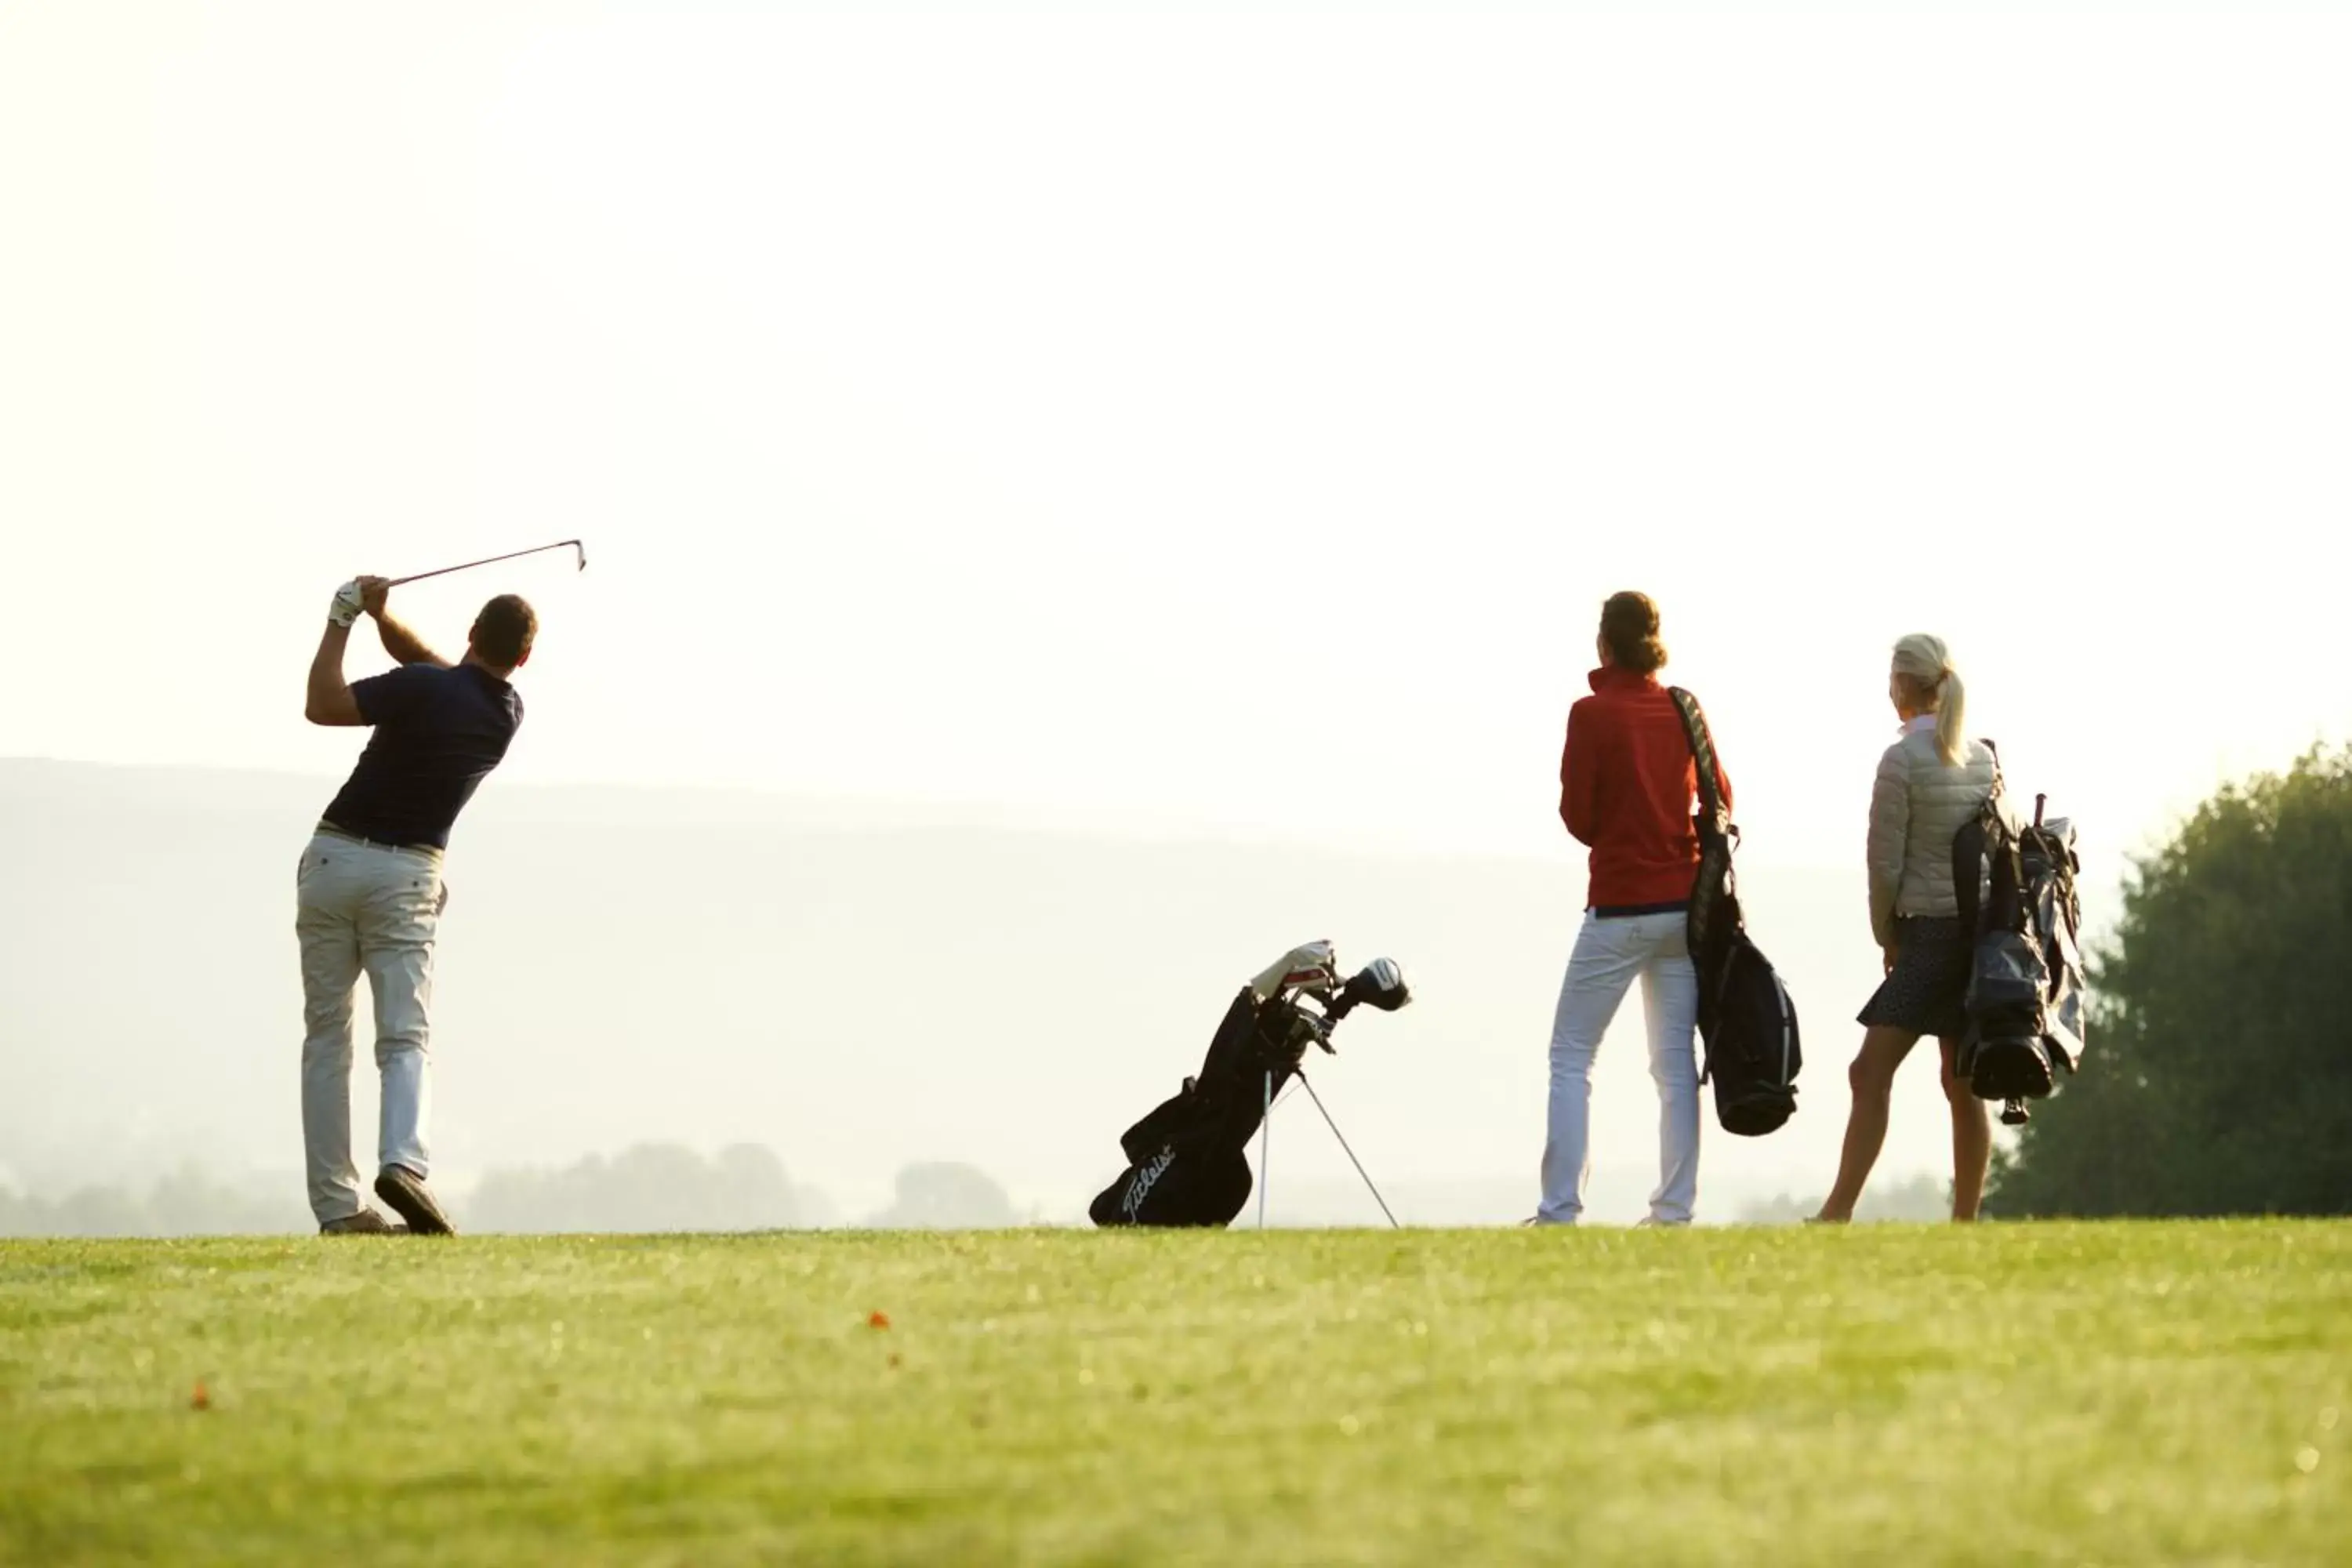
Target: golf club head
{"x": 1306, "y": 1029}
{"x": 1379, "y": 984}
{"x": 583, "y": 554}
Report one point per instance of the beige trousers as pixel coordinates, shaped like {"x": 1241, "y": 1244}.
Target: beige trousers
{"x": 364, "y": 909}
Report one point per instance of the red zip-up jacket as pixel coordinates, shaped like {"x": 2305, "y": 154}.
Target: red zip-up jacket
{"x": 1628, "y": 789}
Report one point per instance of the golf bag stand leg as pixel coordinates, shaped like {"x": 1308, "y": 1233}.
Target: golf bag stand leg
{"x": 1264, "y": 1148}
{"x": 1350, "y": 1153}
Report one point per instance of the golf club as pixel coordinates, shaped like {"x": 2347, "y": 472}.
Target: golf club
{"x": 509, "y": 555}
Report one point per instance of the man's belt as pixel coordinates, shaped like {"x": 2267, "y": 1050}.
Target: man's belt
{"x": 327, "y": 830}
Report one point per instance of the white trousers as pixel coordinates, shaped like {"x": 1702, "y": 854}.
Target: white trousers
{"x": 371, "y": 909}
{"x": 1609, "y": 954}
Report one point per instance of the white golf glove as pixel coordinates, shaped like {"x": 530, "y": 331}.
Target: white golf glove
{"x": 347, "y": 603}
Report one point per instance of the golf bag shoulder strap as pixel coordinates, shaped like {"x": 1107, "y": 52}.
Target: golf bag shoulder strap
{"x": 1715, "y": 915}
{"x": 1979, "y": 839}
{"x": 1702, "y": 747}
{"x": 1968, "y": 870}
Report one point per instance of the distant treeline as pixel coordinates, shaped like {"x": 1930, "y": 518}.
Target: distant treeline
{"x": 650, "y": 1187}
{"x": 659, "y": 1186}
{"x": 653, "y": 1186}
{"x": 187, "y": 1202}
{"x": 1923, "y": 1199}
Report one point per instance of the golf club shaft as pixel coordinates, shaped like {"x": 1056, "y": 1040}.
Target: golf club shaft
{"x": 486, "y": 560}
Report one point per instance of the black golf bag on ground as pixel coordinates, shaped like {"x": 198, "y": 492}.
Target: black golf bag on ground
{"x": 1744, "y": 1013}
{"x": 2026, "y": 993}
{"x": 1187, "y": 1161}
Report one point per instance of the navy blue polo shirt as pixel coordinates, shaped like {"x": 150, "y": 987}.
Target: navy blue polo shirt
{"x": 438, "y": 733}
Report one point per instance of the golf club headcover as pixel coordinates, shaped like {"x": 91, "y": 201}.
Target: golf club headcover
{"x": 1381, "y": 983}
{"x": 349, "y": 603}
{"x": 1310, "y": 967}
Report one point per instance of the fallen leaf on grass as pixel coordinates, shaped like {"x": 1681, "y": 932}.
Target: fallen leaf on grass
{"x": 202, "y": 1399}
{"x": 877, "y": 1319}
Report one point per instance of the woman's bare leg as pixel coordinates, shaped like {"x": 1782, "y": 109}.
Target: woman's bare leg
{"x": 1872, "y": 1078}
{"x": 1972, "y": 1139}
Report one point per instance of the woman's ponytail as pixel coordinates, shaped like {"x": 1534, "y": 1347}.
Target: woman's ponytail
{"x": 1951, "y": 719}
{"x": 1927, "y": 664}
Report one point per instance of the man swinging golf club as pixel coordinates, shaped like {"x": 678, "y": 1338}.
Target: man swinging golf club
{"x": 369, "y": 892}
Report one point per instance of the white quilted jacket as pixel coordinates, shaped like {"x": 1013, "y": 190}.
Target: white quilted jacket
{"x": 1919, "y": 804}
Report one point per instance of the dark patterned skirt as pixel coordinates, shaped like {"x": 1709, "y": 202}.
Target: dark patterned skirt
{"x": 1926, "y": 993}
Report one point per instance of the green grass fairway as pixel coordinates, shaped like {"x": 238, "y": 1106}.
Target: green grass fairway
{"x": 2124, "y": 1393}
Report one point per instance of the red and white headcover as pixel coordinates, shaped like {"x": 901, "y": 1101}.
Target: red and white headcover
{"x": 1312, "y": 968}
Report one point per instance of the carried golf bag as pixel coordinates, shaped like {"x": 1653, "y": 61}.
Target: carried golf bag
{"x": 1745, "y": 1014}
{"x": 2026, "y": 993}
{"x": 1187, "y": 1161}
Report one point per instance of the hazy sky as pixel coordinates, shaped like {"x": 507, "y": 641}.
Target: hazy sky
{"x": 1210, "y": 419}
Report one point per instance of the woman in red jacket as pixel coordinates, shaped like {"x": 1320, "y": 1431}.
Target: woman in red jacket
{"x": 1628, "y": 791}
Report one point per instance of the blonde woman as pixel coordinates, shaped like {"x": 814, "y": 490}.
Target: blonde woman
{"x": 1931, "y": 783}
